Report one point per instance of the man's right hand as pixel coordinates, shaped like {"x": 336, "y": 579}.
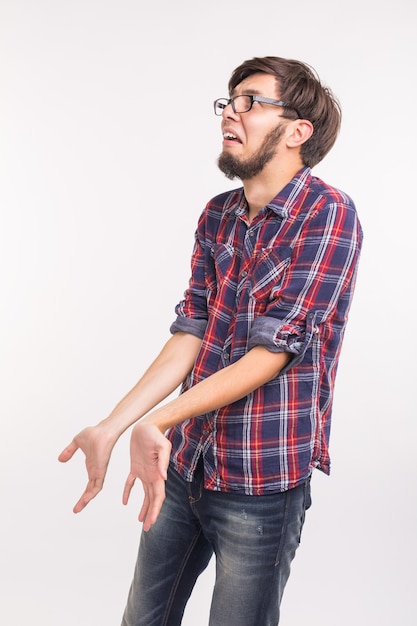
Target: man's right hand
{"x": 97, "y": 444}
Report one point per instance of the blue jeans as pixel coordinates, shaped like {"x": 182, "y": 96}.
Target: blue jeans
{"x": 254, "y": 539}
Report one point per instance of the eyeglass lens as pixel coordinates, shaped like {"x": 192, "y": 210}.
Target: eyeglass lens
{"x": 240, "y": 104}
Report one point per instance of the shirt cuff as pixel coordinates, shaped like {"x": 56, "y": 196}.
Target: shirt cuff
{"x": 276, "y": 336}
{"x": 195, "y": 327}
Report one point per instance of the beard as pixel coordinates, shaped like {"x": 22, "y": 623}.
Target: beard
{"x": 232, "y": 167}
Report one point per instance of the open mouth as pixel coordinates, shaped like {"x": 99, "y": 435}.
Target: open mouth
{"x": 231, "y": 137}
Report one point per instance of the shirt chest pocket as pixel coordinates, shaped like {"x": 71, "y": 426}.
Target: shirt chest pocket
{"x": 226, "y": 262}
{"x": 267, "y": 273}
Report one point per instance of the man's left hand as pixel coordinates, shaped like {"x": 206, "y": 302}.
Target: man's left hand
{"x": 149, "y": 459}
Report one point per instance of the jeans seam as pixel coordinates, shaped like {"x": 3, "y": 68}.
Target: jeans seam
{"x": 178, "y": 577}
{"x": 284, "y": 530}
{"x": 267, "y": 595}
{"x": 278, "y": 555}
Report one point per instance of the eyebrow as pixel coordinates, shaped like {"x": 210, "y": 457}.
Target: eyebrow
{"x": 248, "y": 92}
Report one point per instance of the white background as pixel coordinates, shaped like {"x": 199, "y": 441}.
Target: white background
{"x": 108, "y": 156}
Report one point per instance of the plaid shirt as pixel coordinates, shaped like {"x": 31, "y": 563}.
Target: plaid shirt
{"x": 284, "y": 281}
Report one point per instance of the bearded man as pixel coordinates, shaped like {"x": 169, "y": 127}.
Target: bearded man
{"x": 226, "y": 466}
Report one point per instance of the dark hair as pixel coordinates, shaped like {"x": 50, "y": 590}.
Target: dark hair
{"x": 299, "y": 85}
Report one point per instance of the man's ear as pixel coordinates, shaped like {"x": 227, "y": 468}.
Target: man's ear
{"x": 298, "y": 132}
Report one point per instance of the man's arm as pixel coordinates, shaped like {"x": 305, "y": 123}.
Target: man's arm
{"x": 165, "y": 374}
{"x": 149, "y": 447}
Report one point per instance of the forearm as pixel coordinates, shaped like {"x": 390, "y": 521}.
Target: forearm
{"x": 164, "y": 375}
{"x": 224, "y": 387}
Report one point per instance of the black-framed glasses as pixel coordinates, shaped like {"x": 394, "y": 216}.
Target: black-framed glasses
{"x": 244, "y": 103}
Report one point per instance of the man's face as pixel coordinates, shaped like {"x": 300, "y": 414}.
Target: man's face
{"x": 250, "y": 139}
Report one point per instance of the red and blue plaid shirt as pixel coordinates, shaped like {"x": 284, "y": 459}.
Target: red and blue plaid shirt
{"x": 284, "y": 281}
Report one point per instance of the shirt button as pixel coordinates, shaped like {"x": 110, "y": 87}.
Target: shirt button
{"x": 244, "y": 274}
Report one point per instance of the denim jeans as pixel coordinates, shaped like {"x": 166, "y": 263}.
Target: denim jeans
{"x": 254, "y": 539}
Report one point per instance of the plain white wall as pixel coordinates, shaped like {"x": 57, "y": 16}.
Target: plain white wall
{"x": 108, "y": 151}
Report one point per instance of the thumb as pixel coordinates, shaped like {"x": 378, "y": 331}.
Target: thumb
{"x": 68, "y": 452}
{"x": 128, "y": 488}
{"x": 163, "y": 461}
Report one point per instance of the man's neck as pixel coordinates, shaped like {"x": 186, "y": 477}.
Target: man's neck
{"x": 261, "y": 189}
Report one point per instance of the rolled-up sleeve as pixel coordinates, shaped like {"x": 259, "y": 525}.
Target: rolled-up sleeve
{"x": 192, "y": 326}
{"x": 192, "y": 309}
{"x": 280, "y": 337}
{"x": 276, "y": 336}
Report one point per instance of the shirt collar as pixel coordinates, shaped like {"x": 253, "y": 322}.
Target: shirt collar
{"x": 289, "y": 197}
{"x": 283, "y": 203}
